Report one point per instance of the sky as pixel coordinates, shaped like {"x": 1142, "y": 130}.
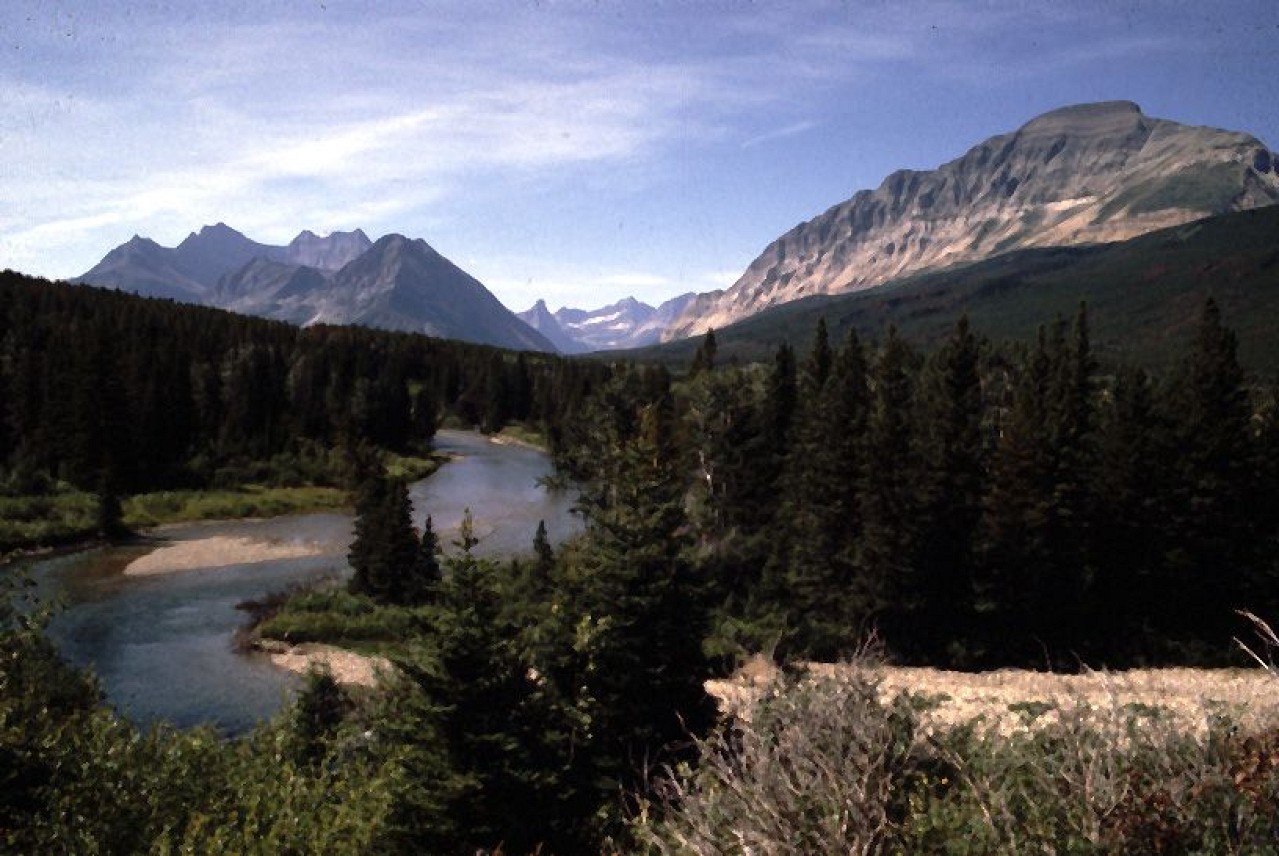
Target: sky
{"x": 574, "y": 151}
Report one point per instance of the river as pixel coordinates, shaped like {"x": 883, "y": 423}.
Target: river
{"x": 162, "y": 645}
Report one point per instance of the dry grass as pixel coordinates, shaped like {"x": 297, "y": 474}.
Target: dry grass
{"x": 1010, "y": 700}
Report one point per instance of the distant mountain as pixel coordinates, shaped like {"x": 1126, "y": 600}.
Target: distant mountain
{"x": 1078, "y": 175}
{"x": 395, "y": 284}
{"x": 144, "y": 266}
{"x": 539, "y": 317}
{"x": 330, "y": 253}
{"x": 625, "y": 324}
{"x": 403, "y": 284}
{"x": 1144, "y": 297}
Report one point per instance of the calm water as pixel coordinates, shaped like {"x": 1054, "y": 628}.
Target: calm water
{"x": 161, "y": 645}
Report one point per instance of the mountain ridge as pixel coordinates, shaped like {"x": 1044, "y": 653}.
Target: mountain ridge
{"x": 1085, "y": 173}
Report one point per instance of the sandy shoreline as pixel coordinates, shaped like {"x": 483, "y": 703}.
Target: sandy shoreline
{"x": 217, "y": 551}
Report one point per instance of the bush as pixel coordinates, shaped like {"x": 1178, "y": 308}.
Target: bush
{"x": 814, "y": 770}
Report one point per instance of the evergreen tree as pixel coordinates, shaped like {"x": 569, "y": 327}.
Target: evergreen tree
{"x": 424, "y": 580}
{"x": 544, "y": 556}
{"x": 889, "y": 503}
{"x": 1017, "y": 517}
{"x": 1211, "y": 512}
{"x": 704, "y": 358}
{"x": 950, "y": 449}
{"x": 824, "y": 471}
{"x": 320, "y": 708}
{"x": 484, "y": 748}
{"x": 385, "y": 550}
{"x": 643, "y": 616}
{"x": 466, "y": 538}
{"x": 1131, "y": 492}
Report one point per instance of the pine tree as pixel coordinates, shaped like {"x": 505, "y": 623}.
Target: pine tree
{"x": 1212, "y": 514}
{"x": 385, "y": 549}
{"x": 704, "y": 357}
{"x": 822, "y": 506}
{"x": 889, "y": 503}
{"x": 950, "y": 449}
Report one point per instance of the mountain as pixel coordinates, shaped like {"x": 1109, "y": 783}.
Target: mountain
{"x": 1144, "y": 297}
{"x": 330, "y": 253}
{"x": 271, "y": 289}
{"x": 403, "y": 284}
{"x": 142, "y": 265}
{"x": 539, "y": 317}
{"x": 395, "y": 284}
{"x": 625, "y": 324}
{"x": 1078, "y": 175}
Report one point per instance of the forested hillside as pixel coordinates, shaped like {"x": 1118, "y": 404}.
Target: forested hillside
{"x": 980, "y": 506}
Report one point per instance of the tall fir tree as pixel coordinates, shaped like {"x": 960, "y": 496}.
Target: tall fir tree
{"x": 384, "y": 552}
{"x": 889, "y": 503}
{"x": 951, "y": 452}
{"x": 830, "y": 610}
{"x": 1212, "y": 511}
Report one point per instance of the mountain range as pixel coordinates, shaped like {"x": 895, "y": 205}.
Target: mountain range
{"x": 625, "y": 324}
{"x": 1078, "y": 176}
{"x": 344, "y": 278}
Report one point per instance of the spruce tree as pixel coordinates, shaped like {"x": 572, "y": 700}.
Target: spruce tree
{"x": 950, "y": 449}
{"x": 704, "y": 357}
{"x": 1017, "y": 516}
{"x": 385, "y": 549}
{"x": 643, "y": 616}
{"x": 830, "y": 609}
{"x": 1212, "y": 513}
{"x": 889, "y": 503}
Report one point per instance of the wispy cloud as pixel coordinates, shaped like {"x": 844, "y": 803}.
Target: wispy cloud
{"x": 782, "y": 133}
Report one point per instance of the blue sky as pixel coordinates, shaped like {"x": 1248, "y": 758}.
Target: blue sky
{"x": 576, "y": 151}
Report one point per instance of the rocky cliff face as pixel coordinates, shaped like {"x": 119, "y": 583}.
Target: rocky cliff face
{"x": 1082, "y": 174}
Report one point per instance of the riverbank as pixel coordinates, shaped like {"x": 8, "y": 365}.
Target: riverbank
{"x": 66, "y": 520}
{"x": 347, "y": 667}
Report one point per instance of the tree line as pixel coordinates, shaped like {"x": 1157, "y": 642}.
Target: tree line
{"x": 99, "y": 386}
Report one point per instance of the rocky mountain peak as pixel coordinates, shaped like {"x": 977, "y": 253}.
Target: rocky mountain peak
{"x": 329, "y": 253}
